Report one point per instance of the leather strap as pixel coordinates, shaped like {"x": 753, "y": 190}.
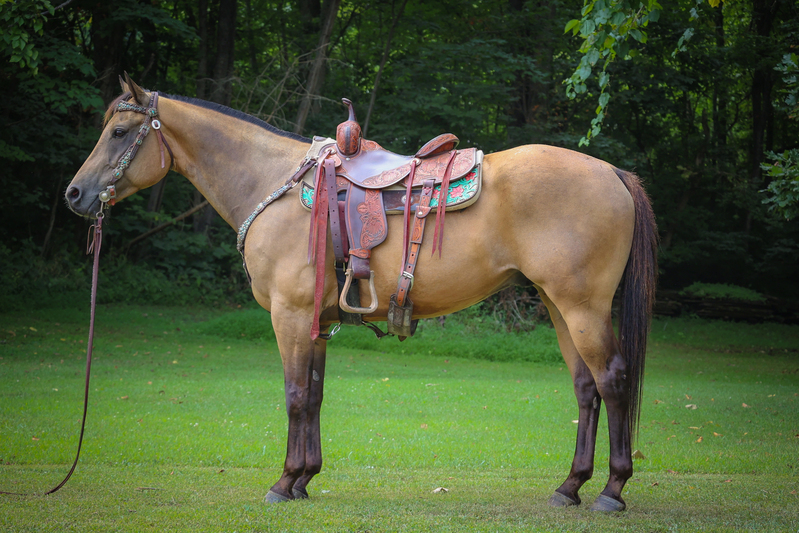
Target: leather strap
{"x": 329, "y": 166}
{"x": 438, "y": 235}
{"x": 95, "y": 242}
{"x": 161, "y": 140}
{"x": 406, "y": 216}
{"x": 320, "y": 241}
{"x": 406, "y": 276}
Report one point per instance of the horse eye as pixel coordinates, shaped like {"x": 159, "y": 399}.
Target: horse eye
{"x": 119, "y": 132}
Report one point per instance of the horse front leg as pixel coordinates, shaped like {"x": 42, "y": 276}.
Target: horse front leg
{"x": 303, "y": 369}
{"x": 313, "y": 440}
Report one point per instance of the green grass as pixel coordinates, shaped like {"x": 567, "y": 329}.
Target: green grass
{"x": 721, "y": 290}
{"x": 186, "y": 428}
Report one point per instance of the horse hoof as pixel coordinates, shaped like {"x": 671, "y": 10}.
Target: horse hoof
{"x": 274, "y": 497}
{"x": 561, "y": 500}
{"x": 606, "y": 504}
{"x": 300, "y": 494}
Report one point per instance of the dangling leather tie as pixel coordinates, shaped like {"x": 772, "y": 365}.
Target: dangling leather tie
{"x": 438, "y": 236}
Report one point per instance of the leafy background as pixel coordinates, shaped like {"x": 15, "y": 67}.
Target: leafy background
{"x": 699, "y": 99}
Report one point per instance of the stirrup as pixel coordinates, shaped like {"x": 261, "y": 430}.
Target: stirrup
{"x": 342, "y": 301}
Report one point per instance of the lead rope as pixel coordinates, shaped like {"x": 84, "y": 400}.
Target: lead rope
{"x": 93, "y": 245}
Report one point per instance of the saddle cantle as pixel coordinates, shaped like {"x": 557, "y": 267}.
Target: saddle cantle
{"x": 356, "y": 184}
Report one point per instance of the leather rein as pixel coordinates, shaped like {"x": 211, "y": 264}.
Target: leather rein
{"x": 108, "y": 196}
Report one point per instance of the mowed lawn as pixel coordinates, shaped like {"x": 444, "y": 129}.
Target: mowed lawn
{"x": 186, "y": 428}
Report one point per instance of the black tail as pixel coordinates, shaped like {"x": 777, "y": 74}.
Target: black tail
{"x": 638, "y": 293}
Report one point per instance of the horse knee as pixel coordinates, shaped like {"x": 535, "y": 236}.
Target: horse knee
{"x": 296, "y": 401}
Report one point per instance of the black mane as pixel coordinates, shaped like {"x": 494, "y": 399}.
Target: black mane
{"x": 219, "y": 108}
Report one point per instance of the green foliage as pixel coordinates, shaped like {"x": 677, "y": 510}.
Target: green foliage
{"x": 22, "y": 21}
{"x": 606, "y": 28}
{"x": 720, "y": 290}
{"x": 28, "y": 280}
{"x": 782, "y": 193}
{"x": 789, "y": 68}
{"x": 490, "y": 72}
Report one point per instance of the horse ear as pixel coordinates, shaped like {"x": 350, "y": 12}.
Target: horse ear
{"x": 123, "y": 84}
{"x": 135, "y": 90}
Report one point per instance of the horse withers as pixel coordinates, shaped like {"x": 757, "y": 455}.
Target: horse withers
{"x": 574, "y": 226}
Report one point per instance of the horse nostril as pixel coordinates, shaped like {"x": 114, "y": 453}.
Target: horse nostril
{"x": 73, "y": 193}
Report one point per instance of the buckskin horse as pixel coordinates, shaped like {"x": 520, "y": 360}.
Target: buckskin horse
{"x": 574, "y": 226}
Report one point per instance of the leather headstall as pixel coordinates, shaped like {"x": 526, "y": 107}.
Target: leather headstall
{"x": 150, "y": 122}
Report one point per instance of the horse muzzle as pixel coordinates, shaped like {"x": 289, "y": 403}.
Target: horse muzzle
{"x": 84, "y": 201}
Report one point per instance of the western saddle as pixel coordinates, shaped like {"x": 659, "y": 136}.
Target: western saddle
{"x": 355, "y": 185}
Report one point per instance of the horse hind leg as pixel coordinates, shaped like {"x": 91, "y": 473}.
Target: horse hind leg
{"x": 592, "y": 335}
{"x": 588, "y": 402}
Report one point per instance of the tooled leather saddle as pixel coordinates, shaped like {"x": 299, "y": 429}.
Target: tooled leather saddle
{"x": 356, "y": 184}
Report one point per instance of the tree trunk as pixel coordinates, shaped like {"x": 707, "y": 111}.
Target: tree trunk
{"x": 222, "y": 92}
{"x": 202, "y": 60}
{"x": 762, "y": 80}
{"x": 383, "y": 61}
{"x": 720, "y": 95}
{"x": 317, "y": 74}
{"x": 251, "y": 40}
{"x": 310, "y": 11}
{"x": 56, "y": 202}
{"x": 219, "y": 88}
{"x": 108, "y": 37}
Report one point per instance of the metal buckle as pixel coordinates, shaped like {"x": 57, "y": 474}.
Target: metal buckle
{"x": 156, "y": 124}
{"x": 408, "y": 276}
{"x": 109, "y": 195}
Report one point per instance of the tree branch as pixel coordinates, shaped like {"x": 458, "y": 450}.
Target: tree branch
{"x": 165, "y": 225}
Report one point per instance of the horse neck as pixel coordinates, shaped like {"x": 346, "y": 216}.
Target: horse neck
{"x": 233, "y": 163}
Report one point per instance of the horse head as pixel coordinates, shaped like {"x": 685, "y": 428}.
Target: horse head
{"x": 107, "y": 175}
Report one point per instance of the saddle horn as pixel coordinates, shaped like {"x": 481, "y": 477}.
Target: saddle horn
{"x": 348, "y": 133}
